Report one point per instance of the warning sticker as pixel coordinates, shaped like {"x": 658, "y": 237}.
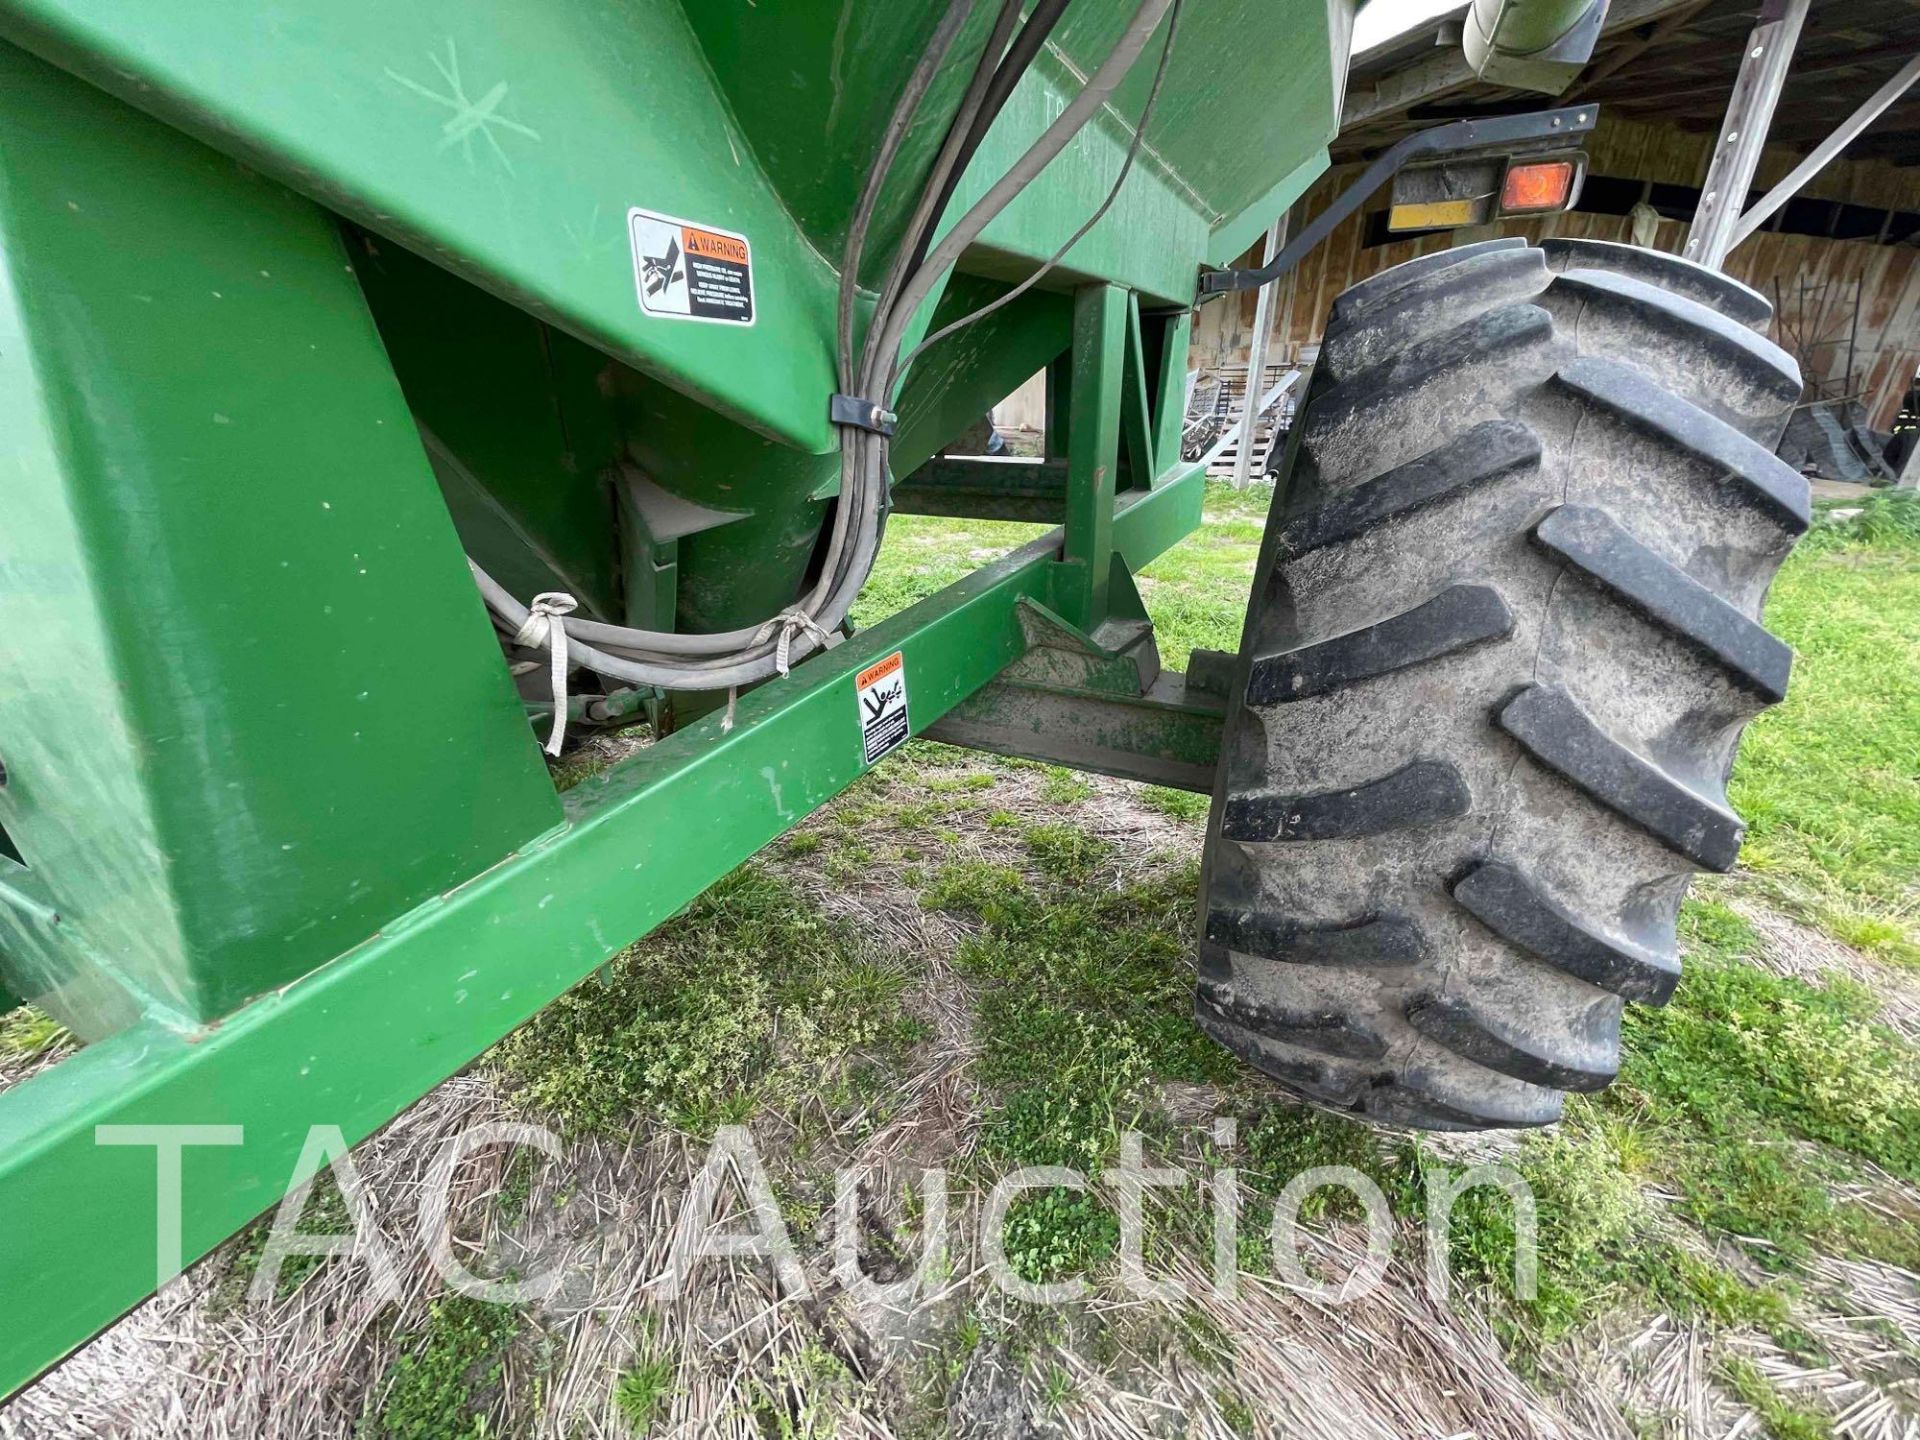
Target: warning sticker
{"x": 691, "y": 272}
{"x": 881, "y": 690}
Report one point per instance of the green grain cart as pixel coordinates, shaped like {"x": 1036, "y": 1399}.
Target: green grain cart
{"x": 391, "y": 392}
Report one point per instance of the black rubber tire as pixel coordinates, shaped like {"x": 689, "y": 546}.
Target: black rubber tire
{"x": 1502, "y": 643}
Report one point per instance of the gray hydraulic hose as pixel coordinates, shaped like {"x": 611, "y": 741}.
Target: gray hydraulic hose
{"x": 727, "y": 659}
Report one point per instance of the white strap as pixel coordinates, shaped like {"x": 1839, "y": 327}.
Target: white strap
{"x": 787, "y": 623}
{"x": 543, "y": 627}
{"x": 790, "y": 623}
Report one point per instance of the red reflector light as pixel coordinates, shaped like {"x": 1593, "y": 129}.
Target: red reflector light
{"x": 1542, "y": 186}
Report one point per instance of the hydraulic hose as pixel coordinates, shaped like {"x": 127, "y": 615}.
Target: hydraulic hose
{"x": 729, "y": 659}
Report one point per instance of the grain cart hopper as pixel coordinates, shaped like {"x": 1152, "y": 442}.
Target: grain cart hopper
{"x": 378, "y": 379}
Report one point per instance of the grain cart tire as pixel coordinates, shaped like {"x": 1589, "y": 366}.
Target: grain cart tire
{"x": 1502, "y": 643}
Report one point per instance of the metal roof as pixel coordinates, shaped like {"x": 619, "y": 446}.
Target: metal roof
{"x": 1671, "y": 62}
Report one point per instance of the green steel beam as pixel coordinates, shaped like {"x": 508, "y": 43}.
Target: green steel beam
{"x": 1170, "y": 393}
{"x": 1136, "y": 408}
{"x": 1099, "y": 363}
{"x": 357, "y": 1041}
{"x": 986, "y": 488}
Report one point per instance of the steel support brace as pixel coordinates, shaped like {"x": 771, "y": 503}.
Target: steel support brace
{"x": 1756, "y": 93}
{"x": 1093, "y": 450}
{"x": 1106, "y": 707}
{"x": 1827, "y": 151}
{"x": 987, "y": 487}
{"x": 357, "y": 1041}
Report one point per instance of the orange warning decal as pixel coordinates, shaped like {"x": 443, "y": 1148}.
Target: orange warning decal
{"x": 710, "y": 246}
{"x": 879, "y": 670}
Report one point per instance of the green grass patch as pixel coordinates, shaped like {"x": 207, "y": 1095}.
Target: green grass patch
{"x": 1829, "y": 781}
{"x": 1782, "y": 1418}
{"x": 1590, "y": 1212}
{"x": 922, "y": 554}
{"x": 1180, "y": 804}
{"x": 1085, "y": 1001}
{"x": 27, "y": 1034}
{"x": 1757, "y": 1094}
{"x": 643, "y": 1390}
{"x": 750, "y": 998}
{"x": 447, "y": 1379}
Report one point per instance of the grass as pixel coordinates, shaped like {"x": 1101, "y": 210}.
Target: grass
{"x": 448, "y": 1377}
{"x": 1085, "y": 1001}
{"x": 324, "y": 1213}
{"x": 714, "y": 1017}
{"x": 643, "y": 1388}
{"x": 1783, "y": 1419}
{"x": 27, "y": 1034}
{"x": 1829, "y": 782}
{"x": 1751, "y": 1096}
{"x": 640, "y": 1392}
{"x": 1758, "y": 1093}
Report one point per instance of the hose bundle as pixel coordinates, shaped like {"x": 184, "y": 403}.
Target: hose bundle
{"x": 730, "y": 659}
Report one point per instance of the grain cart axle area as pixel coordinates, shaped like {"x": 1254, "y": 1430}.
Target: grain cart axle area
{"x": 391, "y": 391}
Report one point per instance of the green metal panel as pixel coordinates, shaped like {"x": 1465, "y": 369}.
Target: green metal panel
{"x": 258, "y": 735}
{"x": 507, "y": 140}
{"x": 520, "y": 434}
{"x": 354, "y": 1043}
{"x": 231, "y": 583}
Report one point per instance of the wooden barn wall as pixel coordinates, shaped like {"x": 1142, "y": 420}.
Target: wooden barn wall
{"x": 1812, "y": 279}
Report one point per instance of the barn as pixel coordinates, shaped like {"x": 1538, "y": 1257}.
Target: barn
{"x": 1841, "y": 261}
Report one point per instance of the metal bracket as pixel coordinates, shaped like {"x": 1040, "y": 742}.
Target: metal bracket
{"x": 861, "y": 414}
{"x": 1097, "y": 702}
{"x": 1481, "y": 133}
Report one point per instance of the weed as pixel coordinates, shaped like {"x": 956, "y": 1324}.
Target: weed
{"x": 516, "y": 1186}
{"x": 447, "y": 1380}
{"x": 961, "y": 784}
{"x": 27, "y": 1034}
{"x": 1064, "y": 787}
{"x": 641, "y": 1390}
{"x": 973, "y": 887}
{"x": 1058, "y": 1388}
{"x": 811, "y": 1387}
{"x": 1237, "y": 1413}
{"x": 1782, "y": 1419}
{"x": 1180, "y": 804}
{"x": 1066, "y": 853}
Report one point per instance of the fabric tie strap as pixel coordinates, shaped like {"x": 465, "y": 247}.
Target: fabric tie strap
{"x": 786, "y": 624}
{"x": 542, "y": 627}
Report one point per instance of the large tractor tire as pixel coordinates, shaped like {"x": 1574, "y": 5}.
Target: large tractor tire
{"x": 1503, "y": 640}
